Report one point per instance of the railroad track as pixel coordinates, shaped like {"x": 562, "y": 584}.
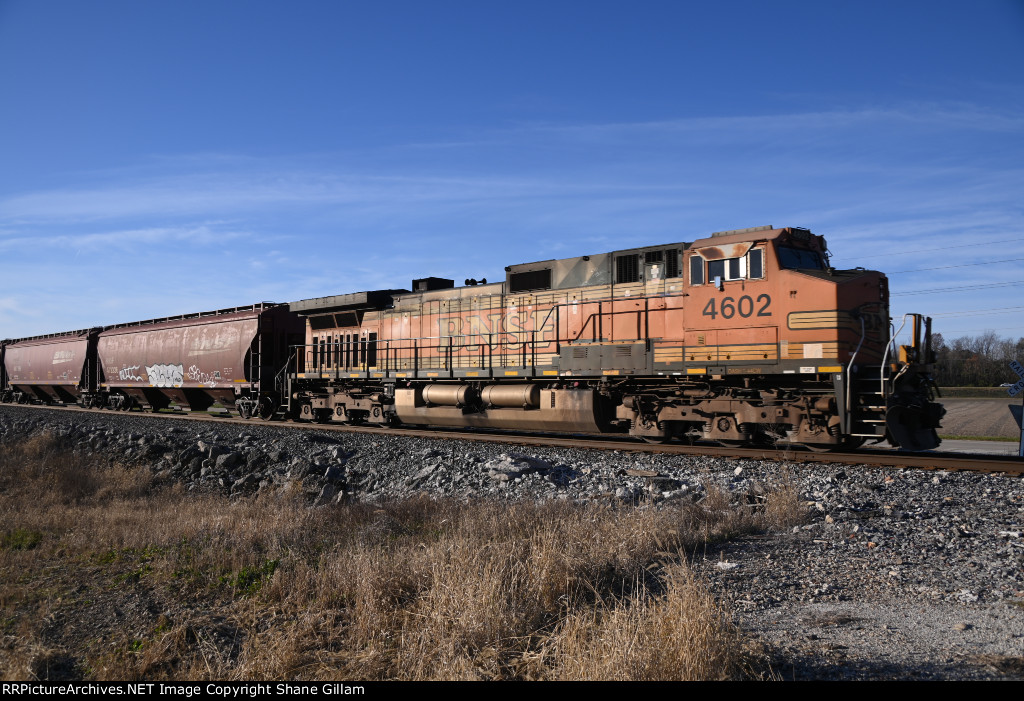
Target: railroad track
{"x": 876, "y": 458}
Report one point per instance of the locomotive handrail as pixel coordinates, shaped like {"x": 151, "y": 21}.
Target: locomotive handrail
{"x": 513, "y": 342}
{"x": 849, "y": 378}
{"x": 600, "y": 314}
{"x": 885, "y": 357}
{"x": 522, "y": 346}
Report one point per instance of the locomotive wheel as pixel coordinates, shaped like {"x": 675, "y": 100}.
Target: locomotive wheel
{"x": 853, "y": 442}
{"x": 267, "y": 407}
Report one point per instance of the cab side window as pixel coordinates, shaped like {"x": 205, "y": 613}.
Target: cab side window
{"x": 727, "y": 268}
{"x": 696, "y": 270}
{"x": 748, "y": 267}
{"x": 755, "y": 263}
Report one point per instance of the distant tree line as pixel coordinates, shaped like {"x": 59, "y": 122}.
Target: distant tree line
{"x": 976, "y": 361}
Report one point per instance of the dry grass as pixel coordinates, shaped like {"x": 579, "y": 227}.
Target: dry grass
{"x": 104, "y": 575}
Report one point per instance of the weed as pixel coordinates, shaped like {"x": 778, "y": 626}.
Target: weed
{"x": 135, "y": 575}
{"x": 20, "y": 539}
{"x": 250, "y": 579}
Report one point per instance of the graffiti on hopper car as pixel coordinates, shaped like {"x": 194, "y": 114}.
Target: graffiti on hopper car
{"x": 165, "y": 375}
{"x": 203, "y": 378}
{"x": 128, "y": 373}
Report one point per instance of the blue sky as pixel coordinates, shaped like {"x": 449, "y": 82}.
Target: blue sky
{"x": 162, "y": 158}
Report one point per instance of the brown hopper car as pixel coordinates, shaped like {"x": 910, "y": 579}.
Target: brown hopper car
{"x": 232, "y": 358}
{"x": 746, "y": 337}
{"x": 54, "y": 368}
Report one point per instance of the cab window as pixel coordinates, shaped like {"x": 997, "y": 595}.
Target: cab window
{"x": 755, "y": 264}
{"x": 798, "y": 258}
{"x": 748, "y": 267}
{"x": 696, "y": 270}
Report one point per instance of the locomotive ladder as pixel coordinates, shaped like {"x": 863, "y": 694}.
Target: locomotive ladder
{"x": 869, "y": 403}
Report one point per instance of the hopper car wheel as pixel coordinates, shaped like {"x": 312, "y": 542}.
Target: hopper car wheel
{"x": 127, "y": 404}
{"x": 656, "y": 440}
{"x": 267, "y": 407}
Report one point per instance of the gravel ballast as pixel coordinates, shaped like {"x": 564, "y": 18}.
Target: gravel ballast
{"x": 897, "y": 574}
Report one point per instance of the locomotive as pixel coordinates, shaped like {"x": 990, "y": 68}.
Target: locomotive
{"x": 745, "y": 337}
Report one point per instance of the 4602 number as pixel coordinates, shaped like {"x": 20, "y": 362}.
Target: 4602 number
{"x": 744, "y": 306}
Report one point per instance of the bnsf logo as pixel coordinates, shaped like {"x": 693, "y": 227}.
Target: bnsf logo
{"x": 875, "y": 321}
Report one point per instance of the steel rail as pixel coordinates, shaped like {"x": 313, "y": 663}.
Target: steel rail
{"x": 873, "y": 458}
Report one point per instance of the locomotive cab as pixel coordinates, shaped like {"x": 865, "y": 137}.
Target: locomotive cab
{"x": 768, "y": 297}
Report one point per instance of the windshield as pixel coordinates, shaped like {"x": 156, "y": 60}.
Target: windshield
{"x": 794, "y": 258}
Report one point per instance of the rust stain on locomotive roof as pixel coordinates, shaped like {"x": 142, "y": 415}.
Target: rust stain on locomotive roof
{"x": 742, "y": 237}
{"x": 732, "y": 245}
{"x": 735, "y": 250}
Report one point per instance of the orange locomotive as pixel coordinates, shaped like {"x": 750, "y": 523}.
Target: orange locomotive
{"x": 745, "y": 337}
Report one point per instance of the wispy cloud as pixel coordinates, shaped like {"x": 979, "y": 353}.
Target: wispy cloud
{"x": 933, "y": 116}
{"x": 204, "y": 235}
{"x": 875, "y": 181}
